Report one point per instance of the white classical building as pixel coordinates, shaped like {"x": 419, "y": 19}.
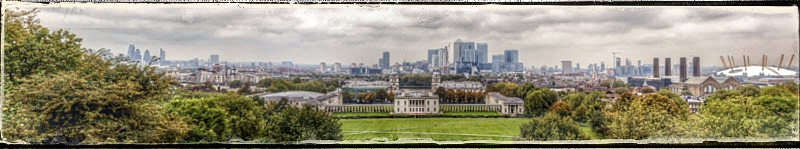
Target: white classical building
{"x": 509, "y": 105}
{"x": 416, "y": 103}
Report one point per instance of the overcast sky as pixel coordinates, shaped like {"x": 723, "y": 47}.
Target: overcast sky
{"x": 544, "y": 35}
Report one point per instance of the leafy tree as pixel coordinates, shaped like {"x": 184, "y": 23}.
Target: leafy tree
{"x": 30, "y": 48}
{"x": 97, "y": 99}
{"x": 441, "y": 92}
{"x": 749, "y": 90}
{"x": 264, "y": 83}
{"x": 235, "y": 84}
{"x": 537, "y": 102}
{"x": 552, "y": 127}
{"x": 381, "y": 94}
{"x": 244, "y": 115}
{"x": 789, "y": 86}
{"x": 390, "y": 97}
{"x": 575, "y": 99}
{"x": 653, "y": 115}
{"x": 620, "y": 90}
{"x": 244, "y": 90}
{"x": 208, "y": 118}
{"x": 686, "y": 93}
{"x": 295, "y": 124}
{"x": 647, "y": 90}
{"x": 525, "y": 88}
{"x": 296, "y": 80}
{"x": 347, "y": 96}
{"x": 561, "y": 109}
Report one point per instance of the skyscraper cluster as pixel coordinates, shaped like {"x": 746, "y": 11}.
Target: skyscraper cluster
{"x": 136, "y": 55}
{"x": 470, "y": 57}
{"x": 438, "y": 57}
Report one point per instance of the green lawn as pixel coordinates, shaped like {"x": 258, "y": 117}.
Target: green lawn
{"x": 471, "y": 113}
{"x": 440, "y": 129}
{"x": 360, "y": 113}
{"x": 588, "y": 130}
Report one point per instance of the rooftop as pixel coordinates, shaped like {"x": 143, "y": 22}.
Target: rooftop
{"x": 461, "y": 85}
{"x": 507, "y": 100}
{"x": 756, "y": 71}
{"x": 292, "y": 96}
{"x": 366, "y": 84}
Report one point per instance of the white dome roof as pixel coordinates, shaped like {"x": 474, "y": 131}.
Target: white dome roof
{"x": 756, "y": 71}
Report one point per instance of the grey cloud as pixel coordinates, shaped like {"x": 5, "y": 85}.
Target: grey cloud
{"x": 272, "y": 34}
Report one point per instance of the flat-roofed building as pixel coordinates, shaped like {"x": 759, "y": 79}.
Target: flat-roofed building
{"x": 302, "y": 98}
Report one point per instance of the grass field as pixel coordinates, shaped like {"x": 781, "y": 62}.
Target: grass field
{"x": 471, "y": 113}
{"x": 440, "y": 129}
{"x": 588, "y": 130}
{"x": 360, "y": 113}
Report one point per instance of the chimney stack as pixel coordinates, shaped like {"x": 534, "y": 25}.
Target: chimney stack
{"x": 763, "y": 61}
{"x": 655, "y": 67}
{"x": 696, "y": 69}
{"x": 682, "y": 68}
{"x": 667, "y": 67}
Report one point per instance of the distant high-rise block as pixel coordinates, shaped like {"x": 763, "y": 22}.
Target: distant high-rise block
{"x": 696, "y": 67}
{"x": 214, "y": 59}
{"x": 655, "y": 68}
{"x": 567, "y": 67}
{"x": 498, "y": 61}
{"x": 483, "y": 52}
{"x": 682, "y": 68}
{"x": 512, "y": 56}
{"x": 162, "y": 55}
{"x": 460, "y": 50}
{"x": 385, "y": 64}
{"x": 667, "y": 67}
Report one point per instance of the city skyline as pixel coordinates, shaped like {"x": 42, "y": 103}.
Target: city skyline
{"x": 543, "y": 35}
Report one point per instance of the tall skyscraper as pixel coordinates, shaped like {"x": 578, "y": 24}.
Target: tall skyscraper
{"x": 602, "y": 66}
{"x": 483, "y": 52}
{"x": 214, "y": 59}
{"x": 460, "y": 50}
{"x": 147, "y": 56}
{"x": 567, "y": 67}
{"x": 696, "y": 67}
{"x": 655, "y": 68}
{"x": 682, "y": 70}
{"x": 638, "y": 67}
{"x": 162, "y": 56}
{"x": 578, "y": 66}
{"x": 385, "y": 61}
{"x": 131, "y": 50}
{"x": 322, "y": 67}
{"x": 137, "y": 55}
{"x": 512, "y": 56}
{"x": 433, "y": 54}
{"x": 337, "y": 67}
{"x": 667, "y": 67}
{"x": 498, "y": 62}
